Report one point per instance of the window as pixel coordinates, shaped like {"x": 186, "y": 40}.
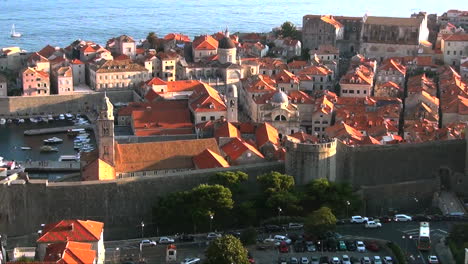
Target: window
{"x": 324, "y": 122}
{"x": 323, "y": 128}
{"x": 316, "y": 128}
{"x": 212, "y": 118}
{"x": 448, "y": 52}
{"x": 351, "y": 91}
{"x": 345, "y": 91}
{"x": 203, "y": 118}
{"x": 358, "y": 92}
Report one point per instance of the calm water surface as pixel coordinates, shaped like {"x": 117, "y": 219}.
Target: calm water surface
{"x": 59, "y": 22}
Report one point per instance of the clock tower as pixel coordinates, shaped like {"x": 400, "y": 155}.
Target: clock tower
{"x": 105, "y": 129}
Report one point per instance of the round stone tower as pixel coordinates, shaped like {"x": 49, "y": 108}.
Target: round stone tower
{"x": 227, "y": 49}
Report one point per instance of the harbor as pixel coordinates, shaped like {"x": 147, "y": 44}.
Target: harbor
{"x": 54, "y": 130}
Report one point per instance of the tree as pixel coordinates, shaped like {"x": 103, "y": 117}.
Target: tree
{"x": 226, "y": 250}
{"x": 230, "y": 179}
{"x": 152, "y": 39}
{"x": 320, "y": 221}
{"x": 249, "y": 236}
{"x": 275, "y": 182}
{"x": 208, "y": 200}
{"x": 288, "y": 29}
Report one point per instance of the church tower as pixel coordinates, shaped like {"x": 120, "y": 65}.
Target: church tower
{"x": 227, "y": 49}
{"x": 105, "y": 128}
{"x": 231, "y": 103}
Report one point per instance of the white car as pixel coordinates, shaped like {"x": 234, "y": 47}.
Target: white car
{"x": 147, "y": 242}
{"x": 190, "y": 261}
{"x": 166, "y": 240}
{"x": 388, "y": 260}
{"x": 377, "y": 260}
{"x": 278, "y": 239}
{"x": 345, "y": 259}
{"x": 372, "y": 224}
{"x": 358, "y": 219}
{"x": 212, "y": 235}
{"x": 402, "y": 218}
{"x": 433, "y": 259}
{"x": 304, "y": 260}
{"x": 360, "y": 246}
{"x": 335, "y": 260}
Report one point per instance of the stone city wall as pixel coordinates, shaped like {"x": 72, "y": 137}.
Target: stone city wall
{"x": 121, "y": 204}
{"x": 14, "y": 106}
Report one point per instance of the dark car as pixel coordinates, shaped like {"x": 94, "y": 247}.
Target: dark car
{"x": 372, "y": 246}
{"x": 186, "y": 238}
{"x": 299, "y": 246}
{"x": 343, "y": 221}
{"x": 385, "y": 219}
{"x": 324, "y": 260}
{"x": 273, "y": 228}
{"x": 435, "y": 218}
{"x": 332, "y": 245}
{"x": 351, "y": 245}
{"x": 421, "y": 218}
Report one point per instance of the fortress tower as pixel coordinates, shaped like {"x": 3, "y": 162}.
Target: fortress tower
{"x": 105, "y": 129}
{"x": 307, "y": 162}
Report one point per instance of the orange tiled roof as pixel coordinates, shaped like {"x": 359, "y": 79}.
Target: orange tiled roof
{"x": 393, "y": 65}
{"x": 47, "y": 51}
{"x": 177, "y": 37}
{"x": 227, "y": 130}
{"x": 236, "y": 147}
{"x": 72, "y": 230}
{"x": 205, "y": 42}
{"x": 456, "y": 37}
{"x": 209, "y": 159}
{"x": 303, "y": 137}
{"x": 324, "y": 105}
{"x": 156, "y": 81}
{"x": 297, "y": 64}
{"x": 36, "y": 57}
{"x": 266, "y": 133}
{"x": 330, "y": 20}
{"x": 315, "y": 70}
{"x": 299, "y": 97}
{"x": 70, "y": 253}
{"x": 76, "y": 61}
{"x": 260, "y": 84}
{"x": 183, "y": 86}
{"x": 344, "y": 132}
{"x": 285, "y": 76}
{"x": 206, "y": 99}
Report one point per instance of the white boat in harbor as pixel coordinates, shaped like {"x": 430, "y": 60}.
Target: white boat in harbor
{"x": 2, "y": 121}
{"x": 69, "y": 116}
{"x": 33, "y": 120}
{"x": 44, "y": 119}
{"x": 15, "y": 34}
{"x": 61, "y": 117}
{"x": 49, "y": 149}
{"x": 9, "y": 121}
{"x": 69, "y": 158}
{"x": 20, "y": 121}
{"x": 50, "y": 118}
{"x": 25, "y": 148}
{"x": 53, "y": 140}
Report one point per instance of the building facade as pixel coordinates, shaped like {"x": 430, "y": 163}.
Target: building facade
{"x": 122, "y": 74}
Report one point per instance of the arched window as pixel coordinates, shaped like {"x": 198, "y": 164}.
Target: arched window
{"x": 280, "y": 118}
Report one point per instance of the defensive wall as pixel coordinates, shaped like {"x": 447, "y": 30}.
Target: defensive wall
{"x": 15, "y": 106}
{"x": 121, "y": 204}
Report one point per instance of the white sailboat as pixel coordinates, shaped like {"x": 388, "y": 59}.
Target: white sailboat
{"x": 14, "y": 34}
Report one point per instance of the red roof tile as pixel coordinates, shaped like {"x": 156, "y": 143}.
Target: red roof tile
{"x": 72, "y": 230}
{"x": 227, "y": 130}
{"x": 206, "y": 99}
{"x": 209, "y": 159}
{"x": 236, "y": 147}
{"x": 266, "y": 133}
{"x": 70, "y": 253}
{"x": 205, "y": 42}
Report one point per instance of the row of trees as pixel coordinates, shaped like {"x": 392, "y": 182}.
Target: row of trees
{"x": 229, "y": 200}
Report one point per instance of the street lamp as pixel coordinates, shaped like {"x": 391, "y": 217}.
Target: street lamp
{"x": 321, "y": 248}
{"x": 279, "y": 214}
{"x": 211, "y": 220}
{"x": 142, "y": 229}
{"x": 347, "y": 205}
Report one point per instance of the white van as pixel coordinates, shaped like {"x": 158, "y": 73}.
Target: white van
{"x": 402, "y": 218}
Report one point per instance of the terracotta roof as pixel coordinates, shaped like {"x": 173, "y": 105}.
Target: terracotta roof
{"x": 315, "y": 70}
{"x": 326, "y": 49}
{"x": 76, "y": 61}
{"x": 169, "y": 55}
{"x": 236, "y": 147}
{"x": 183, "y": 86}
{"x": 266, "y": 133}
{"x": 330, "y": 20}
{"x": 122, "y": 57}
{"x": 177, "y": 37}
{"x": 65, "y": 71}
{"x": 358, "y": 76}
{"x": 72, "y": 230}
{"x": 368, "y": 140}
{"x": 205, "y": 42}
{"x": 206, "y": 99}
{"x": 260, "y": 84}
{"x": 303, "y": 137}
{"x": 70, "y": 253}
{"x": 456, "y": 37}
{"x": 161, "y": 155}
{"x": 457, "y": 104}
{"x": 227, "y": 130}
{"x": 156, "y": 81}
{"x": 152, "y": 94}
{"x": 47, "y": 51}
{"x": 393, "y": 65}
{"x": 393, "y": 21}
{"x": 324, "y": 105}
{"x": 285, "y": 76}
{"x": 344, "y": 132}
{"x": 118, "y": 66}
{"x": 299, "y": 97}
{"x": 297, "y": 64}
{"x": 36, "y": 57}
{"x": 209, "y": 159}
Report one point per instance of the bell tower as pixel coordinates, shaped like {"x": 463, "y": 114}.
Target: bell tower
{"x": 105, "y": 128}
{"x": 231, "y": 103}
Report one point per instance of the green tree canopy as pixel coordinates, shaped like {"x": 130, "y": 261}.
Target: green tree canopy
{"x": 152, "y": 39}
{"x": 230, "y": 179}
{"x": 207, "y": 199}
{"x": 320, "y": 221}
{"x": 288, "y": 29}
{"x": 226, "y": 250}
{"x": 276, "y": 182}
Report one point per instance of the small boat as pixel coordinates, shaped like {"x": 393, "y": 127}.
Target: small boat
{"x": 33, "y": 120}
{"x": 49, "y": 149}
{"x": 61, "y": 117}
{"x": 2, "y": 121}
{"x": 50, "y": 118}
{"x": 45, "y": 119}
{"x": 15, "y": 34}
{"x": 69, "y": 116}
{"x": 69, "y": 158}
{"x": 53, "y": 140}
{"x": 9, "y": 121}
{"x": 25, "y": 148}
{"x": 20, "y": 121}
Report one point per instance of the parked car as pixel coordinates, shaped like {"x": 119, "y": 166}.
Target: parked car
{"x": 358, "y": 219}
{"x": 332, "y": 245}
{"x": 335, "y": 260}
{"x": 342, "y": 221}
{"x": 282, "y": 260}
{"x": 273, "y": 228}
{"x": 342, "y": 245}
{"x": 186, "y": 238}
{"x": 351, "y": 245}
{"x": 345, "y": 259}
{"x": 324, "y": 260}
{"x": 212, "y": 236}
{"x": 299, "y": 246}
{"x": 304, "y": 260}
{"x": 366, "y": 260}
{"x": 314, "y": 260}
{"x": 250, "y": 257}
{"x": 190, "y": 261}
{"x": 295, "y": 226}
{"x": 402, "y": 218}
{"x": 377, "y": 260}
{"x": 372, "y": 224}
{"x": 372, "y": 246}
{"x": 310, "y": 246}
{"x": 233, "y": 233}
{"x": 433, "y": 259}
{"x": 436, "y": 218}
{"x": 165, "y": 240}
{"x": 147, "y": 242}
{"x": 283, "y": 247}
{"x": 421, "y": 218}
{"x": 360, "y": 246}
{"x": 388, "y": 260}
{"x": 279, "y": 238}
{"x": 293, "y": 260}
{"x": 385, "y": 219}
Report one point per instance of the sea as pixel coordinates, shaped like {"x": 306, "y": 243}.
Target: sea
{"x": 59, "y": 22}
